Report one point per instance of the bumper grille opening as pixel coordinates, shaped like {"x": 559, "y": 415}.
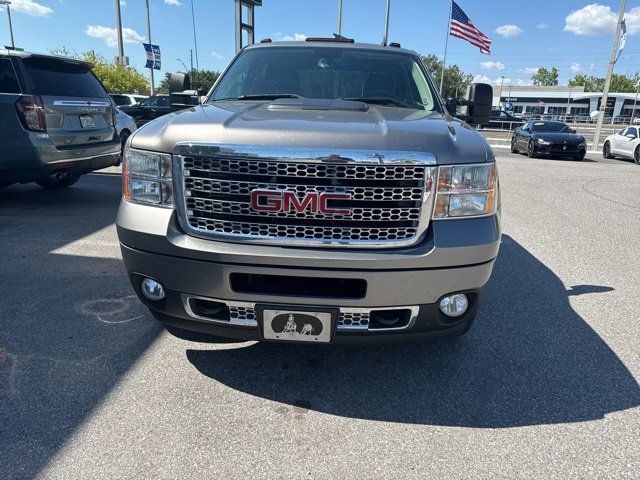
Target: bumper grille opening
{"x": 380, "y": 319}
{"x": 298, "y": 286}
{"x": 210, "y": 309}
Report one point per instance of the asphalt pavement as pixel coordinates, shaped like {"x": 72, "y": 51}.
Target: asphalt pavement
{"x": 545, "y": 384}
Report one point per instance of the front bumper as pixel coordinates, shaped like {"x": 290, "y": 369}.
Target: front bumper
{"x": 455, "y": 256}
{"x": 556, "y": 150}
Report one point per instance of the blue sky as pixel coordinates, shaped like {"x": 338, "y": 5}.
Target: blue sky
{"x": 572, "y": 35}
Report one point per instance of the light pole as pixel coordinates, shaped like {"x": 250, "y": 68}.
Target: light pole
{"x": 633, "y": 115}
{"x": 340, "y": 17}
{"x": 568, "y": 105}
{"x": 119, "y": 31}
{"x": 185, "y": 67}
{"x": 386, "y": 28}
{"x": 153, "y": 88}
{"x": 500, "y": 94}
{"x": 195, "y": 40}
{"x": 7, "y": 3}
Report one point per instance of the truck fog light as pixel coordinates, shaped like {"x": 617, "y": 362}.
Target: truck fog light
{"x": 152, "y": 289}
{"x": 454, "y": 305}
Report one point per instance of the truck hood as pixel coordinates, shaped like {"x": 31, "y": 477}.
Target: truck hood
{"x": 376, "y": 128}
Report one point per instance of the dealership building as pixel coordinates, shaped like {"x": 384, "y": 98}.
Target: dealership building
{"x": 563, "y": 100}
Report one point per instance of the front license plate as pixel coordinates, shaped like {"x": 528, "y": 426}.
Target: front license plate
{"x": 87, "y": 121}
{"x": 297, "y": 326}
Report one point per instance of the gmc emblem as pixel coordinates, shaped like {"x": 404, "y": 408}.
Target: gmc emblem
{"x": 284, "y": 201}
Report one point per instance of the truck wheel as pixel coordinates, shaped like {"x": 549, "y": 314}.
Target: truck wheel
{"x": 57, "y": 184}
{"x": 531, "y": 150}
{"x": 606, "y": 150}
{"x": 514, "y": 148}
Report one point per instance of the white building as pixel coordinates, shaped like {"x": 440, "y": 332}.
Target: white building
{"x": 561, "y": 100}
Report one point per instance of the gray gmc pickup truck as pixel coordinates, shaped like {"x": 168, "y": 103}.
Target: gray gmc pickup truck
{"x": 322, "y": 193}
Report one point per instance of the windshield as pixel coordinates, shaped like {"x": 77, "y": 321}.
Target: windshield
{"x": 60, "y": 78}
{"x": 121, "y": 100}
{"x": 549, "y": 127}
{"x": 327, "y": 73}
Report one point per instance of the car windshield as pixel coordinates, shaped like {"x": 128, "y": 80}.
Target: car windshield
{"x": 121, "y": 100}
{"x": 61, "y": 78}
{"x": 549, "y": 127}
{"x": 388, "y": 78}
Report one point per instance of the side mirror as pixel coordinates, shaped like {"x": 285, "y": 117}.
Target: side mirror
{"x": 179, "y": 82}
{"x": 631, "y": 136}
{"x": 572, "y": 130}
{"x": 480, "y": 98}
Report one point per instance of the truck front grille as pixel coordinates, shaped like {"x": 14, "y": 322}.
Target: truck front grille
{"x": 385, "y": 204}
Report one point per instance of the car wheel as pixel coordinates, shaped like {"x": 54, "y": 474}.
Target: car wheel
{"x": 531, "y": 150}
{"x": 514, "y": 148}
{"x": 606, "y": 150}
{"x": 124, "y": 135}
{"x": 57, "y": 184}
{"x": 636, "y": 155}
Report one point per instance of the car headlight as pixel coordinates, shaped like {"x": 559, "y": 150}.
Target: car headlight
{"x": 582, "y": 144}
{"x": 466, "y": 191}
{"x": 543, "y": 142}
{"x": 146, "y": 177}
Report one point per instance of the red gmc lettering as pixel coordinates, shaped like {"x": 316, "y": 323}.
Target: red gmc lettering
{"x": 276, "y": 201}
{"x": 272, "y": 201}
{"x": 292, "y": 202}
{"x": 325, "y": 197}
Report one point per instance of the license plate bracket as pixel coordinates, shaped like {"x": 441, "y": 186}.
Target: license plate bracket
{"x": 297, "y": 324}
{"x": 87, "y": 121}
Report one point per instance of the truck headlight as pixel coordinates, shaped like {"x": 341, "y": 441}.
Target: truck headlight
{"x": 146, "y": 177}
{"x": 466, "y": 191}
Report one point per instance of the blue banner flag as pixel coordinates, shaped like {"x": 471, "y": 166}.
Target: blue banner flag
{"x": 623, "y": 38}
{"x": 153, "y": 56}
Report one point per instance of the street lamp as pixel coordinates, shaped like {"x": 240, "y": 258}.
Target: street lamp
{"x": 185, "y": 67}
{"x": 500, "y": 94}
{"x": 7, "y": 3}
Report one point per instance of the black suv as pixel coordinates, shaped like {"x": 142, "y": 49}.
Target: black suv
{"x": 148, "y": 109}
{"x": 504, "y": 120}
{"x": 57, "y": 120}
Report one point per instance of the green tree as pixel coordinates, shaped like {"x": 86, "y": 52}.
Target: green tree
{"x": 455, "y": 80}
{"x": 200, "y": 80}
{"x": 115, "y": 77}
{"x": 619, "y": 83}
{"x": 545, "y": 77}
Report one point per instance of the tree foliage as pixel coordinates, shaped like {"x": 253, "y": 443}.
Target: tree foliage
{"x": 619, "y": 83}
{"x": 545, "y": 77}
{"x": 115, "y": 77}
{"x": 455, "y": 80}
{"x": 200, "y": 80}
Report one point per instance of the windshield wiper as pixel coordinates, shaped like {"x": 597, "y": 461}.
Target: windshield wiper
{"x": 262, "y": 96}
{"x": 380, "y": 101}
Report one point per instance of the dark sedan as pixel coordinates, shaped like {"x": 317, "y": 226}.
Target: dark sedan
{"x": 148, "y": 109}
{"x": 503, "y": 120}
{"x": 553, "y": 139}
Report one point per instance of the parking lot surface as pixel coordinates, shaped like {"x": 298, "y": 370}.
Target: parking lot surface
{"x": 545, "y": 385}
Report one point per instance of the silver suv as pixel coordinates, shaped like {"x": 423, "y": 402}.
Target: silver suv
{"x": 323, "y": 193}
{"x": 57, "y": 120}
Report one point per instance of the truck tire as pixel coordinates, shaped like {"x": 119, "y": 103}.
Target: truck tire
{"x": 58, "y": 184}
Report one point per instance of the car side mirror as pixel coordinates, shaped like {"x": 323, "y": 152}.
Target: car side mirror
{"x": 631, "y": 136}
{"x": 572, "y": 130}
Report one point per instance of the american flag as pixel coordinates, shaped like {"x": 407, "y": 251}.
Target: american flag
{"x": 462, "y": 27}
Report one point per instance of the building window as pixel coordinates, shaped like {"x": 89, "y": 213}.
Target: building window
{"x": 580, "y": 110}
{"x": 535, "y": 110}
{"x": 556, "y": 110}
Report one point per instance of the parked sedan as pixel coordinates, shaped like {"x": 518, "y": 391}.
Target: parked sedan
{"x": 553, "y": 139}
{"x": 624, "y": 143}
{"x": 503, "y": 120}
{"x": 148, "y": 109}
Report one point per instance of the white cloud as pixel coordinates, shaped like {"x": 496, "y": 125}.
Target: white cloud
{"x": 596, "y": 19}
{"x": 542, "y": 26}
{"x": 110, "y": 36}
{"x": 531, "y": 70}
{"x": 508, "y": 31}
{"x": 502, "y": 81}
{"x": 481, "y": 79}
{"x": 490, "y": 65}
{"x": 296, "y": 37}
{"x": 520, "y": 82}
{"x": 31, "y": 8}
{"x": 217, "y": 56}
{"x": 173, "y": 2}
{"x": 575, "y": 67}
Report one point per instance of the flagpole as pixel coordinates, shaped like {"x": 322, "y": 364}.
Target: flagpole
{"x": 607, "y": 82}
{"x": 446, "y": 44}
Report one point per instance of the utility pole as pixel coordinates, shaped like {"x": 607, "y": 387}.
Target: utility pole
{"x": 153, "y": 87}
{"x": 386, "y": 29}
{"x": 7, "y": 3}
{"x": 607, "y": 82}
{"x": 119, "y": 29}
{"x": 500, "y": 94}
{"x": 633, "y": 114}
{"x": 191, "y": 57}
{"x": 568, "y": 106}
{"x": 195, "y": 39}
{"x": 339, "y": 17}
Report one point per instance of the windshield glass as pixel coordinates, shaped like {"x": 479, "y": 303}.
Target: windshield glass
{"x": 60, "y": 78}
{"x": 121, "y": 100}
{"x": 549, "y": 127}
{"x": 327, "y": 73}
